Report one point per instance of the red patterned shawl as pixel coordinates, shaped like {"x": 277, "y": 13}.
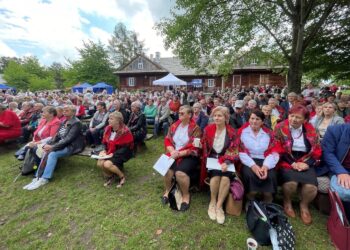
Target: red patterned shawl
{"x": 193, "y": 132}
{"x": 123, "y": 138}
{"x": 207, "y": 142}
{"x": 284, "y": 138}
{"x": 273, "y": 147}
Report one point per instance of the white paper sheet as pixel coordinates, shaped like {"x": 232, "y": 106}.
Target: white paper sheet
{"x": 213, "y": 164}
{"x": 163, "y": 164}
{"x": 99, "y": 157}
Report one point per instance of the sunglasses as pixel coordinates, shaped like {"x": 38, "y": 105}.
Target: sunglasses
{"x": 181, "y": 113}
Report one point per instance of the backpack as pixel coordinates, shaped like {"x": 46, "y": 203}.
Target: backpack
{"x": 269, "y": 225}
{"x": 28, "y": 163}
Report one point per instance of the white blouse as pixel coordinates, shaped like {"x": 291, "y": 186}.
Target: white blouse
{"x": 112, "y": 136}
{"x": 181, "y": 137}
{"x": 275, "y": 112}
{"x": 298, "y": 139}
{"x": 219, "y": 141}
{"x": 257, "y": 145}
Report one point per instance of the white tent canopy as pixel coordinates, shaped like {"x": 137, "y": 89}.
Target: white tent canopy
{"x": 169, "y": 80}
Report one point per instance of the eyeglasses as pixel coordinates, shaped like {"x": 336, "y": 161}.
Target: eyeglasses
{"x": 181, "y": 113}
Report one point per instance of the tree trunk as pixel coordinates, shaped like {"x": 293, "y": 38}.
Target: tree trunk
{"x": 294, "y": 74}
{"x": 296, "y": 59}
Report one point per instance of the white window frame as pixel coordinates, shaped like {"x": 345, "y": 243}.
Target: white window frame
{"x": 131, "y": 81}
{"x": 238, "y": 83}
{"x": 140, "y": 65}
{"x": 211, "y": 83}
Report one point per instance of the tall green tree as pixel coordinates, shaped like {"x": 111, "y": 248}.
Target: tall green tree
{"x": 124, "y": 45}
{"x": 16, "y": 76}
{"x": 93, "y": 66}
{"x": 4, "y": 60}
{"x": 32, "y": 66}
{"x": 56, "y": 71}
{"x": 27, "y": 73}
{"x": 213, "y": 31}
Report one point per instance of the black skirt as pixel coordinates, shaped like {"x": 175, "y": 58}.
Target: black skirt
{"x": 121, "y": 156}
{"x": 304, "y": 177}
{"x": 213, "y": 173}
{"x": 189, "y": 165}
{"x": 253, "y": 183}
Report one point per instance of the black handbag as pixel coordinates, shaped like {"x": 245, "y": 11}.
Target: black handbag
{"x": 269, "y": 225}
{"x": 175, "y": 197}
{"x": 29, "y": 162}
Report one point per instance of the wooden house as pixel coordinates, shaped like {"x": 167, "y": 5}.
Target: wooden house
{"x": 141, "y": 71}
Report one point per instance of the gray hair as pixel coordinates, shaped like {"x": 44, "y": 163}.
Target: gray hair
{"x": 73, "y": 108}
{"x": 137, "y": 104}
{"x": 197, "y": 105}
{"x": 13, "y": 105}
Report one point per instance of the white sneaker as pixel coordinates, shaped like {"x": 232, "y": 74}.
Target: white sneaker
{"x": 212, "y": 211}
{"x": 220, "y": 216}
{"x": 33, "y": 181}
{"x": 37, "y": 184}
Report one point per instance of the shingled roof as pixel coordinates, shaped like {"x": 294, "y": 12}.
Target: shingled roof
{"x": 173, "y": 65}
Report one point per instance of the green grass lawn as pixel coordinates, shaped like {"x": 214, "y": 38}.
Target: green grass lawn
{"x": 75, "y": 211}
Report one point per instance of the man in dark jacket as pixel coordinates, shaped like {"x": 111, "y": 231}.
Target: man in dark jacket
{"x": 240, "y": 116}
{"x": 336, "y": 161}
{"x": 68, "y": 140}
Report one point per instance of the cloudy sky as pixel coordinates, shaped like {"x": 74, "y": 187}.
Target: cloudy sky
{"x": 53, "y": 29}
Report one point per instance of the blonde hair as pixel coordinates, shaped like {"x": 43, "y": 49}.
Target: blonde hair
{"x": 117, "y": 115}
{"x": 329, "y": 103}
{"x": 197, "y": 105}
{"x": 223, "y": 110}
{"x": 188, "y": 109}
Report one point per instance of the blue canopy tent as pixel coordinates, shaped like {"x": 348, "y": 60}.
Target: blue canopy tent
{"x": 4, "y": 86}
{"x": 80, "y": 87}
{"x": 99, "y": 87}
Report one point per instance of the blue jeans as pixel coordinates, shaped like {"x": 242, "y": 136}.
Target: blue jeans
{"x": 160, "y": 125}
{"x": 344, "y": 194}
{"x": 150, "y": 121}
{"x": 52, "y": 162}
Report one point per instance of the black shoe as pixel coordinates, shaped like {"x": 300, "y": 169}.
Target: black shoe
{"x": 184, "y": 206}
{"x": 164, "y": 200}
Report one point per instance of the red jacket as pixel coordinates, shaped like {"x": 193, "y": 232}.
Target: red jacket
{"x": 50, "y": 129}
{"x": 123, "y": 138}
{"x": 231, "y": 153}
{"x": 9, "y": 118}
{"x": 174, "y": 106}
{"x": 80, "y": 111}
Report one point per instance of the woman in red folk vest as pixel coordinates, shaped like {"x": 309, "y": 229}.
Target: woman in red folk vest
{"x": 179, "y": 146}
{"x": 301, "y": 153}
{"x": 119, "y": 145}
{"x": 218, "y": 145}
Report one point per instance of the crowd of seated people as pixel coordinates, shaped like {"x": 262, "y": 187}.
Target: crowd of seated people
{"x": 269, "y": 139}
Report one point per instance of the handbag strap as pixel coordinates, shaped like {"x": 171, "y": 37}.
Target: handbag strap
{"x": 260, "y": 212}
{"x": 339, "y": 203}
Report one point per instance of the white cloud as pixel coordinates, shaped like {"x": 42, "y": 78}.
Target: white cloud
{"x": 56, "y": 28}
{"x": 6, "y": 50}
{"x": 143, "y": 23}
{"x": 98, "y": 34}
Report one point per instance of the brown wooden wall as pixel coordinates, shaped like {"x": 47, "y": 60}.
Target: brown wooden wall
{"x": 144, "y": 81}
